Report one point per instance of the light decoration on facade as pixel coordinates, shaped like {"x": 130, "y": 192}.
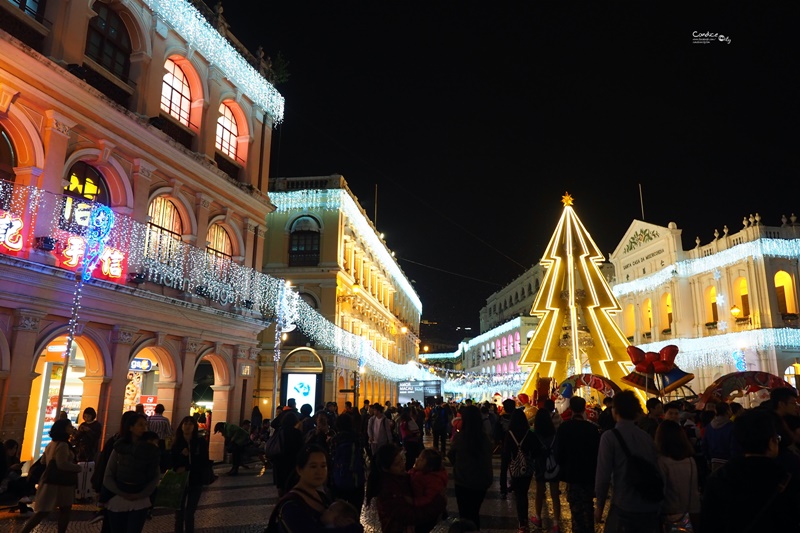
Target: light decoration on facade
{"x": 757, "y": 249}
{"x": 189, "y": 23}
{"x": 339, "y": 199}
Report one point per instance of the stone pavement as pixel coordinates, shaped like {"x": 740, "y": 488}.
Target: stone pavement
{"x": 242, "y": 504}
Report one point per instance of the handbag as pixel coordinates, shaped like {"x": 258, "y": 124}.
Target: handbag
{"x": 274, "y": 445}
{"x": 55, "y": 476}
{"x": 169, "y": 493}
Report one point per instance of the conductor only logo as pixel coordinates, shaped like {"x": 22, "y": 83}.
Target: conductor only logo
{"x": 708, "y": 37}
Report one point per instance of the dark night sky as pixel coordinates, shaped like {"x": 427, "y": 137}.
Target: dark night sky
{"x": 474, "y": 117}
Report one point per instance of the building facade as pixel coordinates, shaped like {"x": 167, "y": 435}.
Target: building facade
{"x": 321, "y": 240}
{"x": 134, "y": 143}
{"x": 730, "y": 305}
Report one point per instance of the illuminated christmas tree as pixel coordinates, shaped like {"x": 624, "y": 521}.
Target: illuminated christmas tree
{"x": 576, "y": 332}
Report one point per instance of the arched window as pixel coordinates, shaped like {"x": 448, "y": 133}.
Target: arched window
{"x": 304, "y": 242}
{"x": 108, "y": 43}
{"x": 227, "y": 132}
{"x": 219, "y": 249}
{"x": 85, "y": 183}
{"x": 176, "y": 97}
{"x": 165, "y": 230}
{"x": 8, "y": 160}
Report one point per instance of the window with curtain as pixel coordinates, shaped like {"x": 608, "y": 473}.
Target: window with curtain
{"x": 227, "y": 132}
{"x": 164, "y": 230}
{"x": 108, "y": 42}
{"x": 219, "y": 249}
{"x": 176, "y": 97}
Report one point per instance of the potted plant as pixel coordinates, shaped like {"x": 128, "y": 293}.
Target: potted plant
{"x": 711, "y": 325}
{"x": 666, "y": 331}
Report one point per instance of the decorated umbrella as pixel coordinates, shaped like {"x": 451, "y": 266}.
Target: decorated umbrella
{"x": 737, "y": 384}
{"x": 656, "y": 373}
{"x": 601, "y": 384}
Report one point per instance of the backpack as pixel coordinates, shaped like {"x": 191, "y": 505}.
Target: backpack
{"x": 521, "y": 465}
{"x": 550, "y": 463}
{"x": 642, "y": 474}
{"x": 347, "y": 459}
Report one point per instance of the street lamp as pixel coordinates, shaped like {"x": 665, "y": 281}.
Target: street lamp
{"x": 356, "y": 288}
{"x": 735, "y": 311}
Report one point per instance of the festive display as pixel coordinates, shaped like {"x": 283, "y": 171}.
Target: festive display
{"x": 576, "y": 332}
{"x": 656, "y": 373}
{"x": 737, "y": 384}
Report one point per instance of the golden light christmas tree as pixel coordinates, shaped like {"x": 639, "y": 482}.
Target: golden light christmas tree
{"x": 576, "y": 332}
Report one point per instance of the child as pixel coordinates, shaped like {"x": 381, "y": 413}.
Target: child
{"x": 429, "y": 482}
{"x": 340, "y": 513}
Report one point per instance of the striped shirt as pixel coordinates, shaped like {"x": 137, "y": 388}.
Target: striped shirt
{"x": 161, "y": 425}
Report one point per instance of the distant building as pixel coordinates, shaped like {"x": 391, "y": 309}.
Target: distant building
{"x": 321, "y": 240}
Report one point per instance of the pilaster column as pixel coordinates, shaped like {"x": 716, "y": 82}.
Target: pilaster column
{"x": 220, "y": 413}
{"x": 189, "y": 350}
{"x": 202, "y": 208}
{"x": 25, "y": 334}
{"x": 113, "y": 396}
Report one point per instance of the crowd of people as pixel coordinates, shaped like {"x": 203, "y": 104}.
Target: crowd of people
{"x": 722, "y": 468}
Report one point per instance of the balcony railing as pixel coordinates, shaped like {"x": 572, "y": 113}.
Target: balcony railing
{"x": 133, "y": 253}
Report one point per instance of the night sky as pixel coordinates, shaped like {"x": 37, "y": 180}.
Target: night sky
{"x": 473, "y": 118}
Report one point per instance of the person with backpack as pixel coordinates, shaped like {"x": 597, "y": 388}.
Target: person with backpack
{"x": 520, "y": 441}
{"x": 348, "y": 473}
{"x": 629, "y": 510}
{"x": 547, "y": 468}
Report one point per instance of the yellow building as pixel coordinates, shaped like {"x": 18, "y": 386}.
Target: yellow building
{"x": 320, "y": 239}
{"x": 144, "y": 114}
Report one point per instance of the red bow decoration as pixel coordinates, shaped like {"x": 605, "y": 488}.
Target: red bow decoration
{"x": 651, "y": 362}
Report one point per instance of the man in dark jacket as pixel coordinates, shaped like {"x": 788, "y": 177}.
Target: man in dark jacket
{"x": 718, "y": 441}
{"x": 501, "y": 429}
{"x": 578, "y": 442}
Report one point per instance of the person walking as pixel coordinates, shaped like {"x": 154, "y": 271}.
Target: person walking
{"x": 441, "y": 417}
{"x": 51, "y": 495}
{"x": 681, "y": 505}
{"x": 410, "y": 436}
{"x": 519, "y": 436}
{"x": 131, "y": 476}
{"x": 292, "y": 442}
{"x": 471, "y": 457}
{"x": 189, "y": 453}
{"x": 161, "y": 426}
{"x": 348, "y": 465}
{"x": 379, "y": 430}
{"x": 501, "y": 429}
{"x": 547, "y": 469}
{"x": 578, "y": 441}
{"x": 629, "y": 511}
{"x": 718, "y": 441}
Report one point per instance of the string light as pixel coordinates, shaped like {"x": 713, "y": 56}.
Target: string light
{"x": 190, "y": 24}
